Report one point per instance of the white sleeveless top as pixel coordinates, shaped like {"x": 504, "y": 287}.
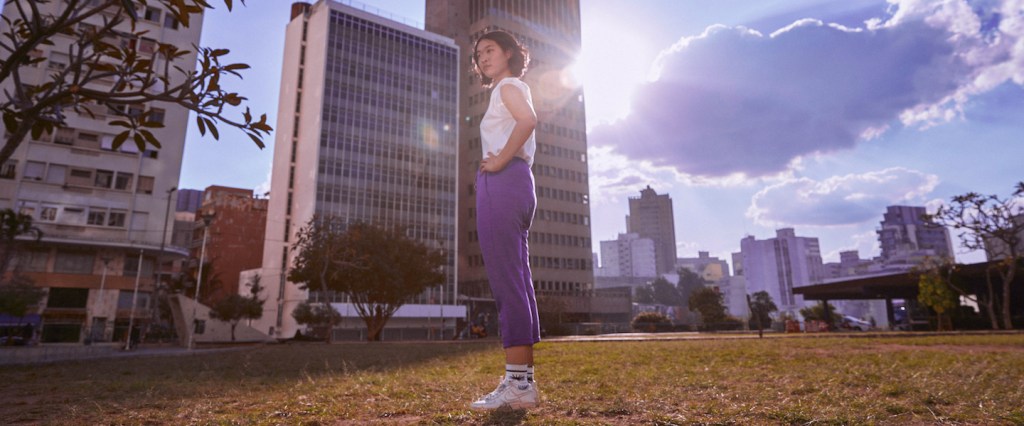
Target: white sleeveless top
{"x": 497, "y": 124}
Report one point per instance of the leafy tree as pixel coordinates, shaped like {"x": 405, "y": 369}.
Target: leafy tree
{"x": 665, "y": 293}
{"x": 378, "y": 268}
{"x": 651, "y": 322}
{"x": 689, "y": 282}
{"x": 993, "y": 224}
{"x": 817, "y": 313}
{"x": 17, "y": 295}
{"x": 231, "y": 309}
{"x": 761, "y": 306}
{"x": 644, "y": 294}
{"x": 319, "y": 315}
{"x": 12, "y": 226}
{"x": 934, "y": 289}
{"x": 108, "y": 70}
{"x": 234, "y": 308}
{"x": 709, "y": 303}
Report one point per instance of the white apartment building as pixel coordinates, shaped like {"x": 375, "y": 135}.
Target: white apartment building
{"x": 628, "y": 256}
{"x": 99, "y": 209}
{"x": 777, "y": 265}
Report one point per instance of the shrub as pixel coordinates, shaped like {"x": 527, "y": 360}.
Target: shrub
{"x": 651, "y": 322}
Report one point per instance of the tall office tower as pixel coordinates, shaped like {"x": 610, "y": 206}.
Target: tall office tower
{"x": 97, "y": 207}
{"x": 650, "y": 215}
{"x": 560, "y": 247}
{"x": 905, "y": 234}
{"x": 777, "y": 265}
{"x": 366, "y": 131}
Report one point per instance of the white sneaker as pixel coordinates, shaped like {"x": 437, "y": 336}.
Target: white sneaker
{"x": 513, "y": 394}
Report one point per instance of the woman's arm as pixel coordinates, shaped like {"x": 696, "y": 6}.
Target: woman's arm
{"x": 526, "y": 121}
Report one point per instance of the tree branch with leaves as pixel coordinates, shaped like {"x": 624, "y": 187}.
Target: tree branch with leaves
{"x": 107, "y": 68}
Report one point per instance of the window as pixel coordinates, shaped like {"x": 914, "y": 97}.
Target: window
{"x": 34, "y": 170}
{"x": 33, "y": 260}
{"x": 116, "y": 219}
{"x": 56, "y": 174}
{"x": 123, "y": 181}
{"x": 73, "y": 262}
{"x": 147, "y": 45}
{"x": 145, "y": 185}
{"x": 48, "y": 213}
{"x": 103, "y": 178}
{"x": 58, "y": 61}
{"x": 156, "y": 115}
{"x": 152, "y": 14}
{"x": 97, "y": 216}
{"x": 67, "y": 297}
{"x": 131, "y": 266}
{"x": 170, "y": 21}
{"x": 65, "y": 136}
{"x": 135, "y": 110}
{"x": 80, "y": 177}
{"x": 9, "y": 169}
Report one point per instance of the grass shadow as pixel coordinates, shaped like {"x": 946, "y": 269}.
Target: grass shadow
{"x": 505, "y": 417}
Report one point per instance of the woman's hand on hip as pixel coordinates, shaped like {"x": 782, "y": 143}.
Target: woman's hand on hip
{"x": 493, "y": 163}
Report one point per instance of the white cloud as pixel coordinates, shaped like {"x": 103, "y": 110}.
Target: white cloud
{"x": 839, "y": 200}
{"x": 732, "y": 102}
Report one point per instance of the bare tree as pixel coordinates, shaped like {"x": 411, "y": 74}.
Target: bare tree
{"x": 111, "y": 68}
{"x": 993, "y": 224}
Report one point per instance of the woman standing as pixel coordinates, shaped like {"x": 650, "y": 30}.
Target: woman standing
{"x": 505, "y": 204}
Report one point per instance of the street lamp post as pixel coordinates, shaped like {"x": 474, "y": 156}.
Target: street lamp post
{"x": 199, "y": 278}
{"x": 103, "y": 283}
{"x": 163, "y": 241}
{"x": 135, "y": 296}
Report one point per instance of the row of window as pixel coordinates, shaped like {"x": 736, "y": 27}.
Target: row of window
{"x": 547, "y": 238}
{"x": 401, "y": 176}
{"x": 67, "y": 261}
{"x": 544, "y": 262}
{"x": 61, "y": 174}
{"x": 80, "y": 215}
{"x": 559, "y": 173}
{"x": 552, "y": 216}
{"x": 558, "y": 286}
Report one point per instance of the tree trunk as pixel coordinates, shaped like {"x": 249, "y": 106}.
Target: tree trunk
{"x": 990, "y": 304}
{"x": 1007, "y": 282}
{"x": 233, "y": 325}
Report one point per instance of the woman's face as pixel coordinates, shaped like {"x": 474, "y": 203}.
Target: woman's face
{"x": 491, "y": 59}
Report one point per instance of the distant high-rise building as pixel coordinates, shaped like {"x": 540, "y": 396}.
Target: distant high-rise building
{"x": 628, "y": 256}
{"x": 189, "y": 200}
{"x": 777, "y": 265}
{"x": 103, "y": 212}
{"x": 235, "y": 239}
{"x": 712, "y": 269}
{"x": 906, "y": 234}
{"x": 560, "y": 246}
{"x": 650, "y": 216}
{"x": 367, "y": 131}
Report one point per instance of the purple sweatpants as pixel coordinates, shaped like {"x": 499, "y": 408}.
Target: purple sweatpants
{"x": 505, "y": 203}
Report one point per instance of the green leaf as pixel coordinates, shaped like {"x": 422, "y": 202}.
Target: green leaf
{"x": 150, "y": 138}
{"x": 213, "y": 129}
{"x": 202, "y": 126}
{"x": 10, "y": 121}
{"x": 255, "y": 138}
{"x": 219, "y": 52}
{"x": 153, "y": 124}
{"x": 119, "y": 140}
{"x": 140, "y": 142}
{"x": 120, "y": 123}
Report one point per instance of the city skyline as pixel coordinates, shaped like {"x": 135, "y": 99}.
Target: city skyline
{"x": 833, "y": 188}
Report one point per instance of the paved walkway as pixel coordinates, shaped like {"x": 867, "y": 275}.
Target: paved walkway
{"x": 19, "y": 355}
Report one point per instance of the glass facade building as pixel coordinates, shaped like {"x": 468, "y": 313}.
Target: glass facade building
{"x": 367, "y": 132}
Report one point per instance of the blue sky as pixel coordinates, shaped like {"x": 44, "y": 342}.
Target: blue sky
{"x": 752, "y": 115}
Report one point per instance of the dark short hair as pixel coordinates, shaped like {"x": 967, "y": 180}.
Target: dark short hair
{"x": 517, "y": 64}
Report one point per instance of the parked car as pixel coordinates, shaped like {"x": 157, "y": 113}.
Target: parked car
{"x": 14, "y": 340}
{"x": 854, "y": 323}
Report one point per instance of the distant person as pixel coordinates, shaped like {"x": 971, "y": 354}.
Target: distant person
{"x": 505, "y": 205}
